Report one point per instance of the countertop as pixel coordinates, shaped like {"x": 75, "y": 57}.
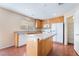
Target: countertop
{"x": 35, "y": 35}
{"x": 39, "y": 36}
{"x": 26, "y": 32}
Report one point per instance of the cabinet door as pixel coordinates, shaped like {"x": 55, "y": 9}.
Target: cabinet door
{"x": 32, "y": 47}
{"x": 22, "y": 40}
{"x": 16, "y": 37}
{"x": 39, "y": 24}
{"x": 54, "y": 38}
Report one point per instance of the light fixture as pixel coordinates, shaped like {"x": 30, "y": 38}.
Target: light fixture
{"x": 60, "y": 4}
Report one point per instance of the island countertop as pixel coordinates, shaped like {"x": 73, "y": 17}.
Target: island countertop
{"x": 39, "y": 36}
{"x": 35, "y": 34}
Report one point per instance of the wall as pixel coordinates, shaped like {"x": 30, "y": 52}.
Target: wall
{"x": 9, "y": 23}
{"x": 76, "y": 31}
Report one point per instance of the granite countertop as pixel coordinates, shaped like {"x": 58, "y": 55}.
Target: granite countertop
{"x": 21, "y": 32}
{"x": 39, "y": 36}
{"x": 26, "y": 32}
{"x": 35, "y": 35}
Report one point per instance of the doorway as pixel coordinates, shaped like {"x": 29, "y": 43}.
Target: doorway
{"x": 70, "y": 30}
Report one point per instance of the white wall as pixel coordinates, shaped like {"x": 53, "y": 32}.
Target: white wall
{"x": 76, "y": 31}
{"x": 9, "y": 23}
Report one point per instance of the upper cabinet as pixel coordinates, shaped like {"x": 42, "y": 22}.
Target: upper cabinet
{"x": 39, "y": 24}
{"x": 57, "y": 20}
{"x": 54, "y": 20}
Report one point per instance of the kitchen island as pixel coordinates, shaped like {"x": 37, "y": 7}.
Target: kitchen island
{"x": 39, "y": 44}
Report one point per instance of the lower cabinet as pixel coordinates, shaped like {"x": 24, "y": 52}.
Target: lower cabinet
{"x": 20, "y": 39}
{"x": 45, "y": 46}
{"x": 32, "y": 48}
{"x": 39, "y": 47}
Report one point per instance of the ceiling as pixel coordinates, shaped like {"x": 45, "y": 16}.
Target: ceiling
{"x": 40, "y": 10}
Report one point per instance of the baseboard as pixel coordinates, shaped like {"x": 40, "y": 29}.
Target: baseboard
{"x": 22, "y": 45}
{"x": 58, "y": 43}
{"x": 7, "y": 46}
{"x": 76, "y": 52}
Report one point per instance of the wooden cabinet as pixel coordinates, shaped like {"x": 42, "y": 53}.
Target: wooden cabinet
{"x": 54, "y": 20}
{"x": 16, "y": 41}
{"x": 39, "y": 47}
{"x": 39, "y": 24}
{"x": 45, "y": 46}
{"x": 32, "y": 48}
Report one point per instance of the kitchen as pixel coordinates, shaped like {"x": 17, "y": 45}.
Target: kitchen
{"x": 47, "y": 29}
{"x": 47, "y": 33}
